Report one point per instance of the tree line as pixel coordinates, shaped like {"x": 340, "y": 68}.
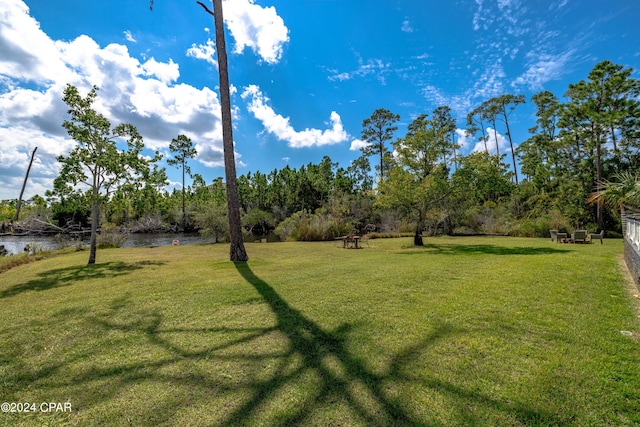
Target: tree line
{"x": 417, "y": 183}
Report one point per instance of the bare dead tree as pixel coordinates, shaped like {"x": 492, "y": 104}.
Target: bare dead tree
{"x": 24, "y": 184}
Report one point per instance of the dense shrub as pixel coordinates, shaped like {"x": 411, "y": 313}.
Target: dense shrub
{"x": 212, "y": 220}
{"x": 540, "y": 226}
{"x": 312, "y": 227}
{"x": 491, "y": 218}
{"x": 111, "y": 236}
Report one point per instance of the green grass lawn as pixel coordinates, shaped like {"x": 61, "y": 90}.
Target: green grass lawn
{"x": 465, "y": 331}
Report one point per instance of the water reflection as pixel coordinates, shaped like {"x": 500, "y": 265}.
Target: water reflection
{"x": 16, "y": 244}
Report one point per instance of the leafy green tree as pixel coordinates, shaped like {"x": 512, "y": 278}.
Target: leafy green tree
{"x": 378, "y": 130}
{"x": 258, "y": 222}
{"x": 418, "y": 181}
{"x": 481, "y": 190}
{"x": 360, "y": 172}
{"x": 138, "y": 198}
{"x": 183, "y": 148}
{"x": 96, "y": 162}
{"x": 209, "y": 203}
{"x": 445, "y": 126}
{"x": 7, "y": 209}
{"x": 482, "y": 178}
{"x": 601, "y": 111}
{"x": 344, "y": 183}
{"x": 71, "y": 207}
{"x": 539, "y": 155}
{"x": 149, "y": 200}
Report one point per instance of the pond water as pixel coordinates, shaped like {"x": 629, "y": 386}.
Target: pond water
{"x": 16, "y": 244}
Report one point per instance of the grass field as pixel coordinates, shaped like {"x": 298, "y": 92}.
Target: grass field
{"x": 471, "y": 331}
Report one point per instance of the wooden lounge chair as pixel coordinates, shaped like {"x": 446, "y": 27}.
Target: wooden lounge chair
{"x": 593, "y": 236}
{"x": 579, "y": 236}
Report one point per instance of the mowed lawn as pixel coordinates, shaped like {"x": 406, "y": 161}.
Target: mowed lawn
{"x": 467, "y": 331}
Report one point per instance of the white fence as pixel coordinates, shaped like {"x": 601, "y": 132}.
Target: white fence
{"x": 633, "y": 232}
{"x": 632, "y": 248}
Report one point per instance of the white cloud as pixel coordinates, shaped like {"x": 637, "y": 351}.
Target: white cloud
{"x": 259, "y": 28}
{"x": 478, "y": 146}
{"x": 205, "y": 52}
{"x": 486, "y": 82}
{"x": 371, "y": 67}
{"x": 505, "y": 14}
{"x": 544, "y": 63}
{"x": 340, "y": 76}
{"x": 554, "y": 7}
{"x": 358, "y": 144}
{"x": 27, "y": 53}
{"x": 406, "y": 26}
{"x": 129, "y": 37}
{"x": 463, "y": 141}
{"x": 542, "y": 68}
{"x": 491, "y": 82}
{"x": 166, "y": 73}
{"x": 503, "y": 144}
{"x": 145, "y": 94}
{"x": 478, "y": 17}
{"x": 282, "y": 129}
{"x": 17, "y": 146}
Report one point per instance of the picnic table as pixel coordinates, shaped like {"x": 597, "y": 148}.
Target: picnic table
{"x": 350, "y": 241}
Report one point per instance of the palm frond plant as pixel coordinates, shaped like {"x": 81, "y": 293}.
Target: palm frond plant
{"x": 622, "y": 193}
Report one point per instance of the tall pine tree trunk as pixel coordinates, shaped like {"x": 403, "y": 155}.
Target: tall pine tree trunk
{"x": 599, "y": 207}
{"x": 184, "y": 210}
{"x": 513, "y": 151}
{"x": 237, "y": 250}
{"x": 417, "y": 238}
{"x": 95, "y": 218}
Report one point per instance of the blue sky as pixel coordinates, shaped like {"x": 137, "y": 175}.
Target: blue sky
{"x": 305, "y": 73}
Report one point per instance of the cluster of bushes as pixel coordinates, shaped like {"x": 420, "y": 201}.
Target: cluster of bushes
{"x": 305, "y": 226}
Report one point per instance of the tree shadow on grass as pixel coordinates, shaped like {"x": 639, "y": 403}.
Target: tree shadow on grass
{"x": 311, "y": 366}
{"x": 315, "y": 346}
{"x": 366, "y": 391}
{"x": 66, "y": 276}
{"x": 455, "y": 249}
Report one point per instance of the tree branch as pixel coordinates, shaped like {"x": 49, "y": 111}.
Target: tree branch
{"x": 205, "y": 8}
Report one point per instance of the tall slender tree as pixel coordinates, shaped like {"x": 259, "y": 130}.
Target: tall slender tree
{"x": 490, "y": 110}
{"x": 475, "y": 123}
{"x": 183, "y": 148}
{"x": 378, "y": 130}
{"x": 540, "y": 154}
{"x": 237, "y": 252}
{"x": 504, "y": 105}
{"x": 445, "y": 125}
